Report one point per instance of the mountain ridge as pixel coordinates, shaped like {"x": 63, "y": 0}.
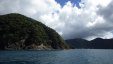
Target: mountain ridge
{"x": 97, "y": 43}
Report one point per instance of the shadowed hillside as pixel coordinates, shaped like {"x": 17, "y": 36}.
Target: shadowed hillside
{"x": 97, "y": 43}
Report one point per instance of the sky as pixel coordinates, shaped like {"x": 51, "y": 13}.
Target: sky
{"x": 63, "y": 2}
{"x": 87, "y": 19}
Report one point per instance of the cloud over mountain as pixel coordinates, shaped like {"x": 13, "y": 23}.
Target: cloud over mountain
{"x": 93, "y": 18}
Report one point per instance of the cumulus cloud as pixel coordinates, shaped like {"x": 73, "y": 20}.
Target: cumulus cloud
{"x": 93, "y": 19}
{"x": 107, "y": 12}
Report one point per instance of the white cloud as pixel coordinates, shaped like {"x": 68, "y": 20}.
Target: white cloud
{"x": 89, "y": 21}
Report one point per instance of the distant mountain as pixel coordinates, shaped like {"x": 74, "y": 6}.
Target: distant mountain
{"x": 102, "y": 43}
{"x": 97, "y": 43}
{"x": 20, "y": 32}
{"x": 77, "y": 43}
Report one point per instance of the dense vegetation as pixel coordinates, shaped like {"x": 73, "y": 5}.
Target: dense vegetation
{"x": 20, "y": 32}
{"x": 97, "y": 43}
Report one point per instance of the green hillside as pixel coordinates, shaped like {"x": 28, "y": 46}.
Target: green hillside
{"x": 20, "y": 32}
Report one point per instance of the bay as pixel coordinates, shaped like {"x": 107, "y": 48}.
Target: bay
{"x": 73, "y": 56}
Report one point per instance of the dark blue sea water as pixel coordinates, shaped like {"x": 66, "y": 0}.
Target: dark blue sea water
{"x": 75, "y": 56}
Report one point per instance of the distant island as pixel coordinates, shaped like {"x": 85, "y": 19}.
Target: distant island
{"x": 18, "y": 32}
{"x": 97, "y": 43}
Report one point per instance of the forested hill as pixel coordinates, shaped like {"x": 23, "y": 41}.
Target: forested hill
{"x": 20, "y": 32}
{"x": 97, "y": 43}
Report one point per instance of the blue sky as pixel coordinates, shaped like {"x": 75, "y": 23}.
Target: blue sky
{"x": 62, "y": 2}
